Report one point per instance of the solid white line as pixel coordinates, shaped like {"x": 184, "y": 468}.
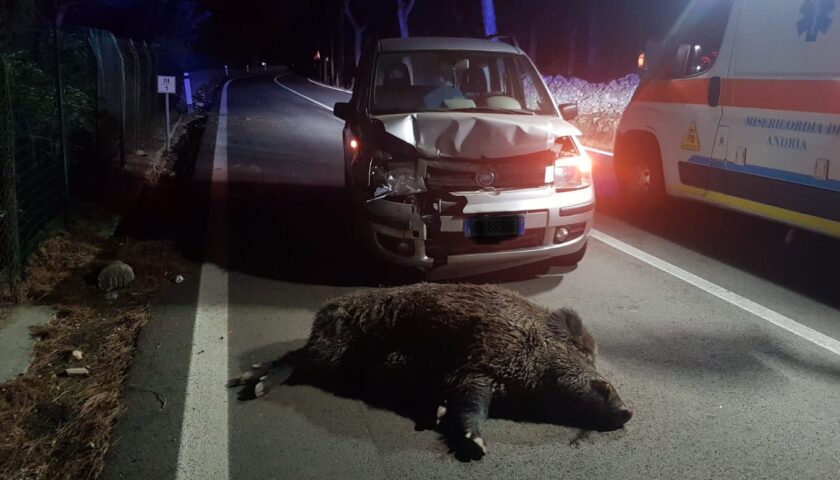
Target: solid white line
{"x": 598, "y": 151}
{"x": 203, "y": 452}
{"x": 316, "y": 102}
{"x": 328, "y": 86}
{"x": 733, "y": 298}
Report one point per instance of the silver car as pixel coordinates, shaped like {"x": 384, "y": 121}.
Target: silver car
{"x": 458, "y": 161}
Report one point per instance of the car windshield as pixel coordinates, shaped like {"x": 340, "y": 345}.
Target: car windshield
{"x": 431, "y": 81}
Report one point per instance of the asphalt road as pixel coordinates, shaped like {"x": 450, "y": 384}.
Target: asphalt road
{"x": 718, "y": 389}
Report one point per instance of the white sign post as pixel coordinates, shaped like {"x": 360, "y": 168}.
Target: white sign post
{"x": 166, "y": 85}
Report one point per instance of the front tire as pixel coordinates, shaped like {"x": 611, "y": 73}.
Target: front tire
{"x": 638, "y": 170}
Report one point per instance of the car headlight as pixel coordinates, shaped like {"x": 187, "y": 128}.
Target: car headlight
{"x": 394, "y": 178}
{"x": 573, "y": 173}
{"x": 573, "y": 167}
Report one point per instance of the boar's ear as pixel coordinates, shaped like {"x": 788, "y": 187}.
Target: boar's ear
{"x": 565, "y": 320}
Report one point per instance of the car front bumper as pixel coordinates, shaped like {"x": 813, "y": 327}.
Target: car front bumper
{"x": 445, "y": 253}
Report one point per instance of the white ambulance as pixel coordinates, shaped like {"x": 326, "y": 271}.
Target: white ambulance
{"x": 740, "y": 107}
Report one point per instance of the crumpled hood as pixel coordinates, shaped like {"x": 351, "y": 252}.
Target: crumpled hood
{"x": 471, "y": 135}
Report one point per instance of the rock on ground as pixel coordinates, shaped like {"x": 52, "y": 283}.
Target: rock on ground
{"x": 115, "y": 275}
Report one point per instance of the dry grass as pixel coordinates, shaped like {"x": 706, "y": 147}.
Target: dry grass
{"x": 54, "y": 426}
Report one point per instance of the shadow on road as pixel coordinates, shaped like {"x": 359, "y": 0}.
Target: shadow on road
{"x": 749, "y": 362}
{"x": 809, "y": 265}
{"x": 408, "y": 394}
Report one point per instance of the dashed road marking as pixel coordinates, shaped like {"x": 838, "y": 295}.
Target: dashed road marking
{"x": 204, "y": 450}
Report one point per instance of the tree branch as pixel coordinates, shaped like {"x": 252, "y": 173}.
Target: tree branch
{"x": 349, "y": 15}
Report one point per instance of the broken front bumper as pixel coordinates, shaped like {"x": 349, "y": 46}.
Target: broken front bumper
{"x": 400, "y": 233}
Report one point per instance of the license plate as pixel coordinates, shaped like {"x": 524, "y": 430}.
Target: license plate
{"x": 510, "y": 226}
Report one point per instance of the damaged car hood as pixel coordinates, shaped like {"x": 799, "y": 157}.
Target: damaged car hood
{"x": 476, "y": 135}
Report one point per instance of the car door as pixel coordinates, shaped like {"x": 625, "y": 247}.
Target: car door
{"x": 689, "y": 99}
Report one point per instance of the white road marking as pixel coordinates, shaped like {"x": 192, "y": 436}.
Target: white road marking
{"x": 316, "y": 102}
{"x": 203, "y": 452}
{"x": 329, "y": 86}
{"x": 760, "y": 311}
{"x": 724, "y": 294}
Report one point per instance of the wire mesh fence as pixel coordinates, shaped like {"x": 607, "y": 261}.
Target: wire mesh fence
{"x": 73, "y": 106}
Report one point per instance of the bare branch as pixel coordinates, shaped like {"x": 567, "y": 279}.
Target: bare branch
{"x": 349, "y": 15}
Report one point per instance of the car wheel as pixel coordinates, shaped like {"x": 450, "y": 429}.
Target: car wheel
{"x": 639, "y": 173}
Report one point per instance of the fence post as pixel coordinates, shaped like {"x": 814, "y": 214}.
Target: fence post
{"x": 123, "y": 99}
{"x": 59, "y": 85}
{"x": 136, "y": 92}
{"x": 8, "y": 188}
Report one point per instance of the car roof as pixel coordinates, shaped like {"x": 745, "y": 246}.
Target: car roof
{"x": 445, "y": 43}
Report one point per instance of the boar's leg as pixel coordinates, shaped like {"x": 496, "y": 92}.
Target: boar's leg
{"x": 468, "y": 406}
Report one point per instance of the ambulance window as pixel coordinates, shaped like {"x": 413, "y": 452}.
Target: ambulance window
{"x": 697, "y": 42}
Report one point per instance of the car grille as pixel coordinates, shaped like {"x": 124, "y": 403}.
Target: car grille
{"x": 516, "y": 172}
{"x": 443, "y": 244}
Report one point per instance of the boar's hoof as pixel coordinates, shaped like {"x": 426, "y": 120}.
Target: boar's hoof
{"x": 441, "y": 412}
{"x": 259, "y": 389}
{"x": 474, "y": 447}
{"x": 253, "y": 382}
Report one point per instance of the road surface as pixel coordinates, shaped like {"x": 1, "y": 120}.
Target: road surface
{"x": 722, "y": 338}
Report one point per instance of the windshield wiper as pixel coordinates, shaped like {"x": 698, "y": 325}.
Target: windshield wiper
{"x": 489, "y": 110}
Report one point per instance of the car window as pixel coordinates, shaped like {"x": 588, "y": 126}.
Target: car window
{"x": 701, "y": 35}
{"x": 463, "y": 81}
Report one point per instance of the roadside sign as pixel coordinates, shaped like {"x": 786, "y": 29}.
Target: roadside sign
{"x": 166, "y": 84}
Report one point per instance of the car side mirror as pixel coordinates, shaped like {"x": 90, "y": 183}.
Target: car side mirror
{"x": 342, "y": 110}
{"x": 680, "y": 67}
{"x": 569, "y": 111}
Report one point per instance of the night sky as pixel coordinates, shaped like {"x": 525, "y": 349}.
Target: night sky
{"x": 608, "y": 34}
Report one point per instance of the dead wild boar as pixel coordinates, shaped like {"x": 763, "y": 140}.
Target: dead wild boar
{"x": 466, "y": 345}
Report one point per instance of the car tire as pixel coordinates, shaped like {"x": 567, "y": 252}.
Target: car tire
{"x": 638, "y": 170}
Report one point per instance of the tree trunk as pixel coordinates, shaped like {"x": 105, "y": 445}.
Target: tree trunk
{"x": 533, "y": 40}
{"x": 404, "y": 8}
{"x": 358, "y": 30}
{"x": 341, "y": 56}
{"x": 488, "y": 14}
{"x": 573, "y": 34}
{"x": 403, "y": 21}
{"x": 592, "y": 44}
{"x": 357, "y": 44}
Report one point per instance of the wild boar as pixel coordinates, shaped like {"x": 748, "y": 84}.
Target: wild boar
{"x": 465, "y": 346}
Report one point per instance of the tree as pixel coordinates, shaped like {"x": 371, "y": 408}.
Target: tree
{"x": 488, "y": 14}
{"x": 404, "y": 8}
{"x": 358, "y": 29}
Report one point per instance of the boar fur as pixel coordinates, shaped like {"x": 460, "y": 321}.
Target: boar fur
{"x": 462, "y": 346}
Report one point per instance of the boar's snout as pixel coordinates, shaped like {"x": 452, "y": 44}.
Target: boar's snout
{"x": 614, "y": 413}
{"x": 622, "y": 416}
